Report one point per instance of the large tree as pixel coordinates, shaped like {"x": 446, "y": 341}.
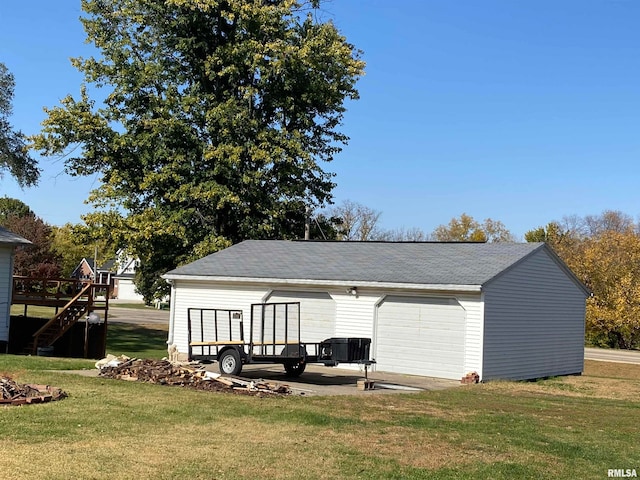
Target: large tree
{"x": 14, "y": 157}
{"x": 218, "y": 119}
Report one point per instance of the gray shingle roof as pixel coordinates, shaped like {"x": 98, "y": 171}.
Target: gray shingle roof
{"x": 407, "y": 263}
{"x": 10, "y": 238}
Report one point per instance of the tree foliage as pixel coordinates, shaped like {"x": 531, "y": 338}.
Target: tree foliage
{"x": 466, "y": 229}
{"x": 219, "y": 117}
{"x": 13, "y": 207}
{"x": 36, "y": 260}
{"x": 610, "y": 264}
{"x": 14, "y": 156}
{"x": 70, "y": 243}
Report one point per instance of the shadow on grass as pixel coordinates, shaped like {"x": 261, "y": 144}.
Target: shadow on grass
{"x": 136, "y": 341}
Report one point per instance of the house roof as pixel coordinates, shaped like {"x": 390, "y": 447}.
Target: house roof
{"x": 472, "y": 264}
{"x": 89, "y": 261}
{"x": 10, "y": 238}
{"x": 108, "y": 265}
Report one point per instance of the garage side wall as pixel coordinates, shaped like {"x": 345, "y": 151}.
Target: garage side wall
{"x": 534, "y": 322}
{"x": 6, "y": 282}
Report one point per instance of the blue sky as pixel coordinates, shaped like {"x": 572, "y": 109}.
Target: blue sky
{"x": 519, "y": 111}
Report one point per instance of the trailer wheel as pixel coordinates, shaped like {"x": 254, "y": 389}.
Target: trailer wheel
{"x": 294, "y": 369}
{"x": 229, "y": 362}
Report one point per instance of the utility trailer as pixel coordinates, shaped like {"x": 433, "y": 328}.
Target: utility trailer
{"x": 274, "y": 337}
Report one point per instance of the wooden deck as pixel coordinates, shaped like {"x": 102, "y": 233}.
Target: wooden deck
{"x": 72, "y": 300}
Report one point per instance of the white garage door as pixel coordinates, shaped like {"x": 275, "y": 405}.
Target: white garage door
{"x": 317, "y": 313}
{"x": 127, "y": 290}
{"x": 421, "y": 336}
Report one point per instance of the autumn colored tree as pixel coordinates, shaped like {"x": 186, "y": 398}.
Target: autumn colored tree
{"x": 36, "y": 260}
{"x": 218, "y": 120}
{"x": 466, "y": 229}
{"x": 610, "y": 266}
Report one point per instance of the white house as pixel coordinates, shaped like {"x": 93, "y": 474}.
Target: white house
{"x": 126, "y": 266}
{"x": 8, "y": 242}
{"x": 501, "y": 310}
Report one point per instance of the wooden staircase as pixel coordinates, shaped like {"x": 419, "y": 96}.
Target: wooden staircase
{"x": 77, "y": 308}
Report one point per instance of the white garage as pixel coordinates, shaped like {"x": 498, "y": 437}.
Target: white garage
{"x": 501, "y": 310}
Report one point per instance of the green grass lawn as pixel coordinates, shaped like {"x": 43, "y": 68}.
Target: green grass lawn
{"x": 569, "y": 427}
{"x": 136, "y": 340}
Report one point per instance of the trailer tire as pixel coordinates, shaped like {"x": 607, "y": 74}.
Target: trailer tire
{"x": 229, "y": 362}
{"x": 294, "y": 368}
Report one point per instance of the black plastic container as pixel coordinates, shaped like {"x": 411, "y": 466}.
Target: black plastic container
{"x": 346, "y": 350}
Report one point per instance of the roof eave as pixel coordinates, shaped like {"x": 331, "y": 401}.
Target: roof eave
{"x": 329, "y": 283}
{"x": 16, "y": 242}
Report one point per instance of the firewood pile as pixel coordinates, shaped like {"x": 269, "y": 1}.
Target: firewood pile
{"x": 163, "y": 372}
{"x": 14, "y": 393}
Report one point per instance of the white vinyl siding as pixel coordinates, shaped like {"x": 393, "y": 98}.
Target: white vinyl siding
{"x": 209, "y": 295}
{"x": 354, "y": 314}
{"x": 421, "y": 336}
{"x": 317, "y": 313}
{"x": 534, "y": 322}
{"x": 6, "y": 282}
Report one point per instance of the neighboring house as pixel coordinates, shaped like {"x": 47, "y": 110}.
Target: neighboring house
{"x": 8, "y": 242}
{"x": 501, "y": 310}
{"x": 103, "y": 274}
{"x": 125, "y": 272}
{"x": 118, "y": 272}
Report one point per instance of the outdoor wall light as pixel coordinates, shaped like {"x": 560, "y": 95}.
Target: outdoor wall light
{"x": 352, "y": 291}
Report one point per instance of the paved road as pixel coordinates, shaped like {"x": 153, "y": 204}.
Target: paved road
{"x": 607, "y": 355}
{"x": 140, "y": 316}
